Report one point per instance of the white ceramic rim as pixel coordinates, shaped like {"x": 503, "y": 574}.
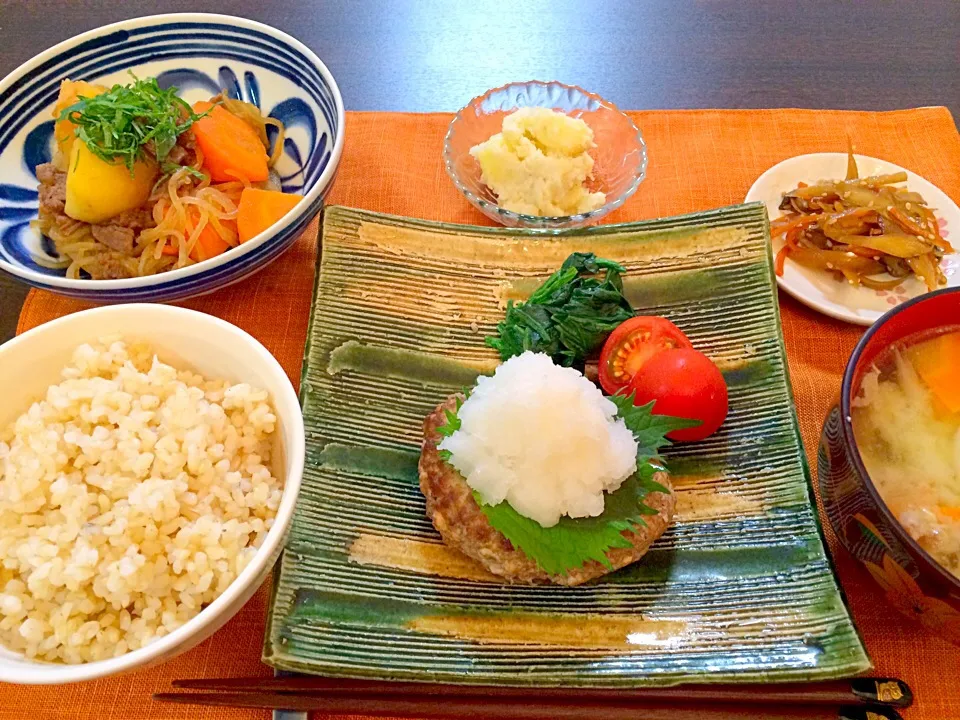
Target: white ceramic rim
{"x": 833, "y": 310}
{"x": 51, "y": 673}
{"x": 182, "y": 273}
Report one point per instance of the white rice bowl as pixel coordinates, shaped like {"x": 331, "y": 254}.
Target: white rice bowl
{"x": 227, "y": 539}
{"x": 131, "y": 496}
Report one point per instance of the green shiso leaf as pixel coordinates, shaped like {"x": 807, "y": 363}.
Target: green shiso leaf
{"x": 649, "y": 430}
{"x": 572, "y": 542}
{"x": 450, "y": 427}
{"x": 128, "y": 122}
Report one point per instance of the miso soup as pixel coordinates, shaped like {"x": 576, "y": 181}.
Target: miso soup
{"x": 906, "y": 419}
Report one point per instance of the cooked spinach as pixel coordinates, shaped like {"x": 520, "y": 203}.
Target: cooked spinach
{"x": 569, "y": 316}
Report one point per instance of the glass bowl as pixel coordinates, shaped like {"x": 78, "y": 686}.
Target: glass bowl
{"x": 620, "y": 157}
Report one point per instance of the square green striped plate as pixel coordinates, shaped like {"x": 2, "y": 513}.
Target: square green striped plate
{"x": 738, "y": 589}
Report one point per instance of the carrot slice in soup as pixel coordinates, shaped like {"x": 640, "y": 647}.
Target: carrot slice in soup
{"x": 231, "y": 148}
{"x": 937, "y": 362}
{"x": 259, "y": 209}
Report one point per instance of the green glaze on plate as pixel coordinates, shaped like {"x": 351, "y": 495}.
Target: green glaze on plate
{"x": 738, "y": 589}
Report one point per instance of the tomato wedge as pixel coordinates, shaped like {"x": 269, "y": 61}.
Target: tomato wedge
{"x": 632, "y": 344}
{"x": 683, "y": 383}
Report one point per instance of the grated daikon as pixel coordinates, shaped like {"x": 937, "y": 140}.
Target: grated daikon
{"x": 543, "y": 438}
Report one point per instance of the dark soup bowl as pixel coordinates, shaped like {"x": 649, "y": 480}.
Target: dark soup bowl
{"x": 911, "y": 579}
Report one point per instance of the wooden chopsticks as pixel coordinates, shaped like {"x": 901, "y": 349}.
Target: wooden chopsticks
{"x": 856, "y": 699}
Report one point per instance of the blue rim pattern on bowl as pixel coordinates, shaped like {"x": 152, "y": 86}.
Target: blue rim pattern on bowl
{"x": 555, "y": 95}
{"x": 238, "y": 49}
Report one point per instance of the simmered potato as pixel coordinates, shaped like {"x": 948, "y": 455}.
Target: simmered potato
{"x": 70, "y": 92}
{"x": 98, "y": 190}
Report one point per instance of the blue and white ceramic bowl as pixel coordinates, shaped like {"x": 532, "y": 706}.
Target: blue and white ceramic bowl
{"x": 201, "y": 54}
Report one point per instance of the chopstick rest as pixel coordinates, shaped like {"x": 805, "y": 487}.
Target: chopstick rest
{"x": 883, "y": 691}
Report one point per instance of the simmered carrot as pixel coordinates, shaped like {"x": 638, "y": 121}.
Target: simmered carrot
{"x": 781, "y": 259}
{"x": 232, "y": 150}
{"x": 950, "y": 511}
{"x": 209, "y": 243}
{"x": 259, "y": 209}
{"x": 789, "y": 244}
{"x": 789, "y": 222}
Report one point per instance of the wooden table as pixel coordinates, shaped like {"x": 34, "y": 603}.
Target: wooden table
{"x": 423, "y": 55}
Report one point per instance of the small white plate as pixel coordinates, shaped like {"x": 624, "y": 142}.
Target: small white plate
{"x": 821, "y": 291}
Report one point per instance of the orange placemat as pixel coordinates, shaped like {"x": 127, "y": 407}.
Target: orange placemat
{"x": 698, "y": 160}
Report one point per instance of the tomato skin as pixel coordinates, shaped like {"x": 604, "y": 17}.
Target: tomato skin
{"x": 683, "y": 383}
{"x": 632, "y": 345}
